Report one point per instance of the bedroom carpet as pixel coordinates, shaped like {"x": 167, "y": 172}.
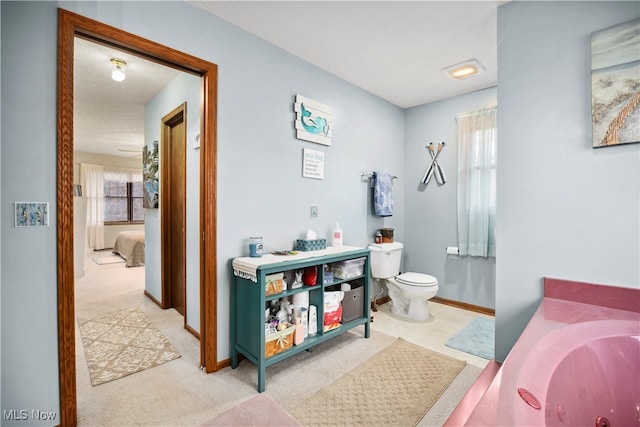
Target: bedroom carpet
{"x": 476, "y": 338}
{"x": 121, "y": 343}
{"x": 396, "y": 386}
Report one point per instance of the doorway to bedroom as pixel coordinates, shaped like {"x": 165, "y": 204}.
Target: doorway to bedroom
{"x": 72, "y": 27}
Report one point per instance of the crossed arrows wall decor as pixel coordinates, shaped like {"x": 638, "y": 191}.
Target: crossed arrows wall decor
{"x": 434, "y": 167}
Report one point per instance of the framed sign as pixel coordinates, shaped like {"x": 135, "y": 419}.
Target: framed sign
{"x": 312, "y": 164}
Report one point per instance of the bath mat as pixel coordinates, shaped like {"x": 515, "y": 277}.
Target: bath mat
{"x": 120, "y": 343}
{"x": 396, "y": 386}
{"x": 109, "y": 259}
{"x": 476, "y": 338}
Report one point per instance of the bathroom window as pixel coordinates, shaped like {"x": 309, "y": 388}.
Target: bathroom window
{"x": 477, "y": 161}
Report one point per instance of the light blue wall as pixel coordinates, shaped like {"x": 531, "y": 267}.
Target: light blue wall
{"x": 564, "y": 209}
{"x": 260, "y": 188}
{"x": 184, "y": 88}
{"x": 431, "y": 209}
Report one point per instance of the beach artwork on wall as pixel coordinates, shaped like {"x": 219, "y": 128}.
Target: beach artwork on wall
{"x": 151, "y": 193}
{"x": 615, "y": 84}
{"x": 314, "y": 120}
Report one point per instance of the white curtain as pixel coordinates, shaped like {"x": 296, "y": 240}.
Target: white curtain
{"x": 476, "y": 133}
{"x": 92, "y": 180}
{"x": 121, "y": 174}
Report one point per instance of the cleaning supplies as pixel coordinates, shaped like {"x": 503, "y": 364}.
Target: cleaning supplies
{"x": 337, "y": 235}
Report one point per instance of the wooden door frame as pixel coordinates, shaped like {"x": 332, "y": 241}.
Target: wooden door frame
{"x": 71, "y": 25}
{"x": 165, "y": 202}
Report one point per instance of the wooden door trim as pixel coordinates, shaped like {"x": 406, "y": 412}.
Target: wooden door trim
{"x": 71, "y": 25}
{"x": 179, "y": 114}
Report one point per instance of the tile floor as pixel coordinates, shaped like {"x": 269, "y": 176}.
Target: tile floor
{"x": 445, "y": 322}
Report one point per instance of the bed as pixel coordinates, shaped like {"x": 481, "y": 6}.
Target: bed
{"x": 130, "y": 246}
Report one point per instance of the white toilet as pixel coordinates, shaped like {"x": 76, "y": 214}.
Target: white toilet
{"x": 409, "y": 292}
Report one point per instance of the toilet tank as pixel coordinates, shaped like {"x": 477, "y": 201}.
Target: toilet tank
{"x": 385, "y": 259}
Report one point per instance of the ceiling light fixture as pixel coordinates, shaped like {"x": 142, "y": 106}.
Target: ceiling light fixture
{"x": 464, "y": 69}
{"x": 119, "y": 70}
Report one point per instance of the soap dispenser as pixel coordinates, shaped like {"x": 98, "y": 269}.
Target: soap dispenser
{"x": 337, "y": 235}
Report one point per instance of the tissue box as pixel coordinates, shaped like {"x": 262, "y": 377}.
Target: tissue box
{"x": 311, "y": 245}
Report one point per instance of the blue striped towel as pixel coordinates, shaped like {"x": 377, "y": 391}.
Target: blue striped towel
{"x": 382, "y": 184}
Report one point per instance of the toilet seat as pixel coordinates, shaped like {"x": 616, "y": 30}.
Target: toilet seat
{"x": 417, "y": 279}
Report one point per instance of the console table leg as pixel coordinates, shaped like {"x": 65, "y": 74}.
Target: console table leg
{"x": 261, "y": 375}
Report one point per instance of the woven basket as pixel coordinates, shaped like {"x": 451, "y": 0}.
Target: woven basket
{"x": 273, "y": 287}
{"x": 279, "y": 342}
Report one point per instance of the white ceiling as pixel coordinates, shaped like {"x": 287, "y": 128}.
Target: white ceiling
{"x": 109, "y": 116}
{"x": 393, "y": 49}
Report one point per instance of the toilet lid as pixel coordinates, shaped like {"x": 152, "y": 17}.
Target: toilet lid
{"x": 416, "y": 279}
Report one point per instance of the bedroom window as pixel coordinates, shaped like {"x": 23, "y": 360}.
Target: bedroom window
{"x": 123, "y": 197}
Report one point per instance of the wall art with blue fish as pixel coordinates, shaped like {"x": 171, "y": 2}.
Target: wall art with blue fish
{"x": 314, "y": 120}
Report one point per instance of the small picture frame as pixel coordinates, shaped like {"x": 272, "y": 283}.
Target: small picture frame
{"x": 32, "y": 214}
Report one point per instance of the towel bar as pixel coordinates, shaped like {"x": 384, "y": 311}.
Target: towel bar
{"x": 369, "y": 174}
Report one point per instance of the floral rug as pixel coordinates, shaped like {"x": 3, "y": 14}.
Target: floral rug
{"x": 120, "y": 343}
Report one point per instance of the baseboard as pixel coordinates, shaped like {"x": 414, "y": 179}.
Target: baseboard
{"x": 452, "y": 303}
{"x": 465, "y": 306}
{"x": 192, "y": 331}
{"x": 152, "y": 298}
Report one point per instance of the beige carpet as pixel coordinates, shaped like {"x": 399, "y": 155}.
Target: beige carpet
{"x": 396, "y": 386}
{"x": 123, "y": 342}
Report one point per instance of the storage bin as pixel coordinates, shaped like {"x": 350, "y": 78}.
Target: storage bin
{"x": 352, "y": 304}
{"x": 311, "y": 245}
{"x": 279, "y": 342}
{"x": 274, "y": 283}
{"x": 348, "y": 269}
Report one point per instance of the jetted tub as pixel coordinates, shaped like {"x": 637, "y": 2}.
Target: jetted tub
{"x": 576, "y": 363}
{"x": 591, "y": 376}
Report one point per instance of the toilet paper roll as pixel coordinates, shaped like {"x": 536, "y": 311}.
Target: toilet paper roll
{"x": 301, "y": 299}
{"x": 345, "y": 287}
{"x": 452, "y": 250}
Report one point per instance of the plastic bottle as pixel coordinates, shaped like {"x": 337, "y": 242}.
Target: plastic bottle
{"x": 298, "y": 334}
{"x": 337, "y": 235}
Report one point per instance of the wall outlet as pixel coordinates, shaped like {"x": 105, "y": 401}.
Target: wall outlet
{"x": 313, "y": 211}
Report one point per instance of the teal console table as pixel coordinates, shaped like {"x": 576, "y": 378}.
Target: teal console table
{"x": 249, "y": 302}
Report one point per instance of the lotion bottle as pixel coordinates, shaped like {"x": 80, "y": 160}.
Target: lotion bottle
{"x": 337, "y": 235}
{"x": 298, "y": 334}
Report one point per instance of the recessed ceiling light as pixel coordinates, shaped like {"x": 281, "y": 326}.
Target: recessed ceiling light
{"x": 464, "y": 69}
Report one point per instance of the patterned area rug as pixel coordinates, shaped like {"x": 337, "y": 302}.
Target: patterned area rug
{"x": 121, "y": 343}
{"x": 476, "y": 338}
{"x": 396, "y": 386}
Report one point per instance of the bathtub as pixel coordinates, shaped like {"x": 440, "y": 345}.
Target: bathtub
{"x": 592, "y": 375}
{"x": 575, "y": 364}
